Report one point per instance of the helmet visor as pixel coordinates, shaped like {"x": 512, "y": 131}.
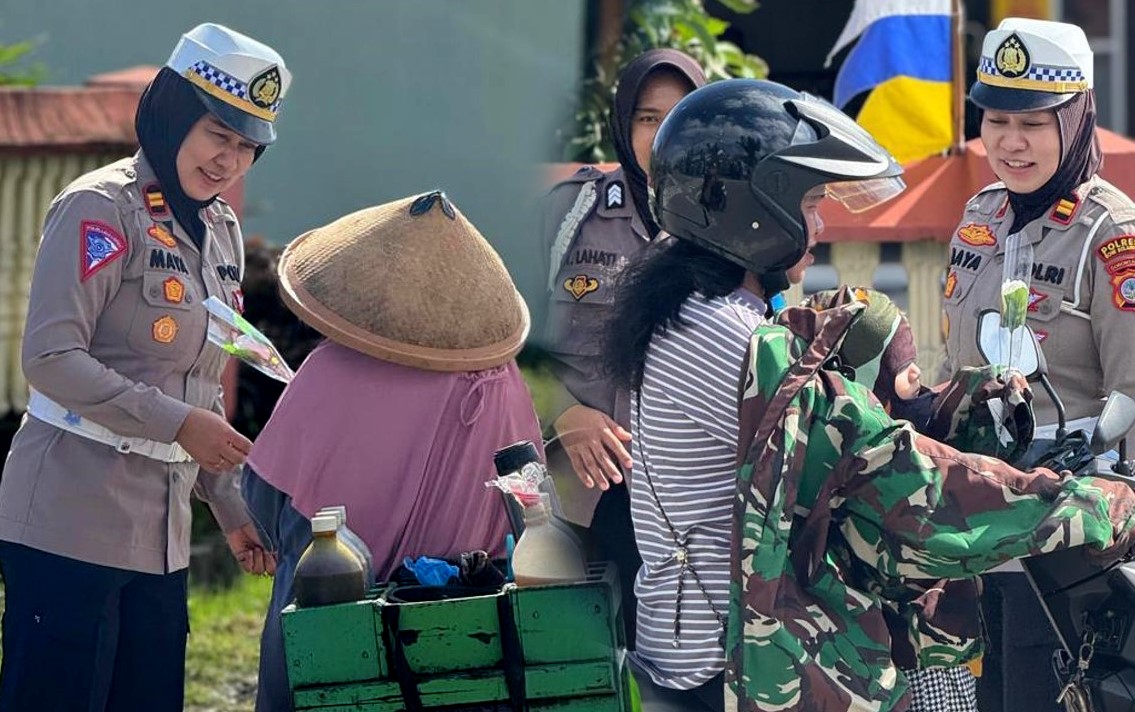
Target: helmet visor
{"x": 860, "y": 195}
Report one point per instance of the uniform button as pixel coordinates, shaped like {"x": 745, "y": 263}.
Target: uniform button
{"x": 155, "y": 292}
{"x": 195, "y": 372}
{"x": 188, "y": 298}
{"x": 130, "y": 173}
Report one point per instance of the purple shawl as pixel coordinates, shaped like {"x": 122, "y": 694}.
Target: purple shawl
{"x": 406, "y": 450}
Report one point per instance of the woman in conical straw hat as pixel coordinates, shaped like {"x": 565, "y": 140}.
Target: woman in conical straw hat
{"x": 398, "y": 413}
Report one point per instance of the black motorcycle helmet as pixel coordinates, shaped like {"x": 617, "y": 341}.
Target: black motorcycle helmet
{"x": 732, "y": 162}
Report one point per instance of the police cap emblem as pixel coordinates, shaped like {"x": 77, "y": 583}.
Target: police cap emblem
{"x": 264, "y": 89}
{"x": 1012, "y": 58}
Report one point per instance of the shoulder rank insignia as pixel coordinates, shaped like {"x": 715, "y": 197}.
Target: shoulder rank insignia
{"x": 1064, "y": 210}
{"x": 100, "y": 245}
{"x": 977, "y": 235}
{"x": 156, "y": 204}
{"x": 162, "y": 235}
{"x": 1116, "y": 253}
{"x": 164, "y": 330}
{"x": 616, "y": 195}
{"x": 580, "y": 285}
{"x": 951, "y": 284}
{"x": 238, "y": 301}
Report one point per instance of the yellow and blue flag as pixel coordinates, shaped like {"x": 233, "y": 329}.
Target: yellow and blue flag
{"x": 903, "y": 58}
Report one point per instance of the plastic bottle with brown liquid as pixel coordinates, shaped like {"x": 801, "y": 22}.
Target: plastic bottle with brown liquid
{"x": 545, "y": 554}
{"x": 328, "y": 572}
{"x": 353, "y": 541}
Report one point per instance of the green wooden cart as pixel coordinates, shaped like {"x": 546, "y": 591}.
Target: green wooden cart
{"x": 539, "y": 648}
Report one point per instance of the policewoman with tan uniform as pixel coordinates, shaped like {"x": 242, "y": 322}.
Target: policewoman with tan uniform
{"x": 1034, "y": 86}
{"x": 594, "y": 223}
{"x": 124, "y": 417}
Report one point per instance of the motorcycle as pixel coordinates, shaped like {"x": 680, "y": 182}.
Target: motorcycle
{"x": 1091, "y": 607}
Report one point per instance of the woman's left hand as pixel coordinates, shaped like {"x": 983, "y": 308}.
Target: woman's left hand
{"x": 249, "y": 552}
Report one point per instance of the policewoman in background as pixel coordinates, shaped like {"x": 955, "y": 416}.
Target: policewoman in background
{"x": 1034, "y": 86}
{"x": 594, "y": 223}
{"x": 124, "y": 419}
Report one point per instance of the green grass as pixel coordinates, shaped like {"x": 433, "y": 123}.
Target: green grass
{"x": 542, "y": 385}
{"x": 224, "y": 645}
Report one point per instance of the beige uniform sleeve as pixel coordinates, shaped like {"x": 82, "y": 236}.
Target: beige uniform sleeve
{"x": 63, "y": 313}
{"x": 222, "y": 493}
{"x": 1113, "y": 313}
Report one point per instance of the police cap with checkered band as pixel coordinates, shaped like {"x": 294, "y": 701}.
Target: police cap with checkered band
{"x": 1031, "y": 65}
{"x": 241, "y": 81}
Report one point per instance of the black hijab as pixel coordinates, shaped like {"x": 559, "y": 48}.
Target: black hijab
{"x": 631, "y": 81}
{"x": 1080, "y": 159}
{"x": 168, "y": 109}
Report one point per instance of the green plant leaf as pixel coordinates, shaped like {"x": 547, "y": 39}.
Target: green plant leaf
{"x": 741, "y": 7}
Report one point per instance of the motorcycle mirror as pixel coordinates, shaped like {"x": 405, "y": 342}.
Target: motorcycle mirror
{"x": 994, "y": 342}
{"x": 1116, "y": 419}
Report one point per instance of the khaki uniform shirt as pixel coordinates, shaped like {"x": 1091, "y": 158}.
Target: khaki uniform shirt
{"x": 116, "y": 333}
{"x": 591, "y": 231}
{"x": 1082, "y": 293}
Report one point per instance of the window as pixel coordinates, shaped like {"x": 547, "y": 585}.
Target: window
{"x": 1105, "y": 23}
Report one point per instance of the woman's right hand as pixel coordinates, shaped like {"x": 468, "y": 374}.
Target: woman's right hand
{"x": 594, "y": 442}
{"x": 212, "y": 442}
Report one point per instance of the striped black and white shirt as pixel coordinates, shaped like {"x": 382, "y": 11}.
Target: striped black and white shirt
{"x": 687, "y": 440}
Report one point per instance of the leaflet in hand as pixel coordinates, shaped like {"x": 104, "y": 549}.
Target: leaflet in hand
{"x": 233, "y": 333}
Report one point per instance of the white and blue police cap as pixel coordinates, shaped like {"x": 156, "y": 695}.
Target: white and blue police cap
{"x": 1030, "y": 65}
{"x": 241, "y": 81}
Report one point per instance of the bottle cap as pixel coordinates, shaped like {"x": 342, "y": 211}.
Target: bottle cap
{"x": 512, "y": 457}
{"x": 324, "y": 523}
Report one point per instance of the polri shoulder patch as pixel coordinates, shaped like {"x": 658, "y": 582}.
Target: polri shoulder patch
{"x": 99, "y": 245}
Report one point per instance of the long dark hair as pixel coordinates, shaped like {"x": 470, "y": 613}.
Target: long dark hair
{"x": 649, "y": 296}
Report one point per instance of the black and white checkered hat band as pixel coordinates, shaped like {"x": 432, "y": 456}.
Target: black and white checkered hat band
{"x": 225, "y": 82}
{"x": 1036, "y": 72}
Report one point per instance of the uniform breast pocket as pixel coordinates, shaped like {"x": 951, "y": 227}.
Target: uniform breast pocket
{"x": 959, "y": 284}
{"x": 578, "y": 310}
{"x": 1044, "y": 302}
{"x": 169, "y": 321}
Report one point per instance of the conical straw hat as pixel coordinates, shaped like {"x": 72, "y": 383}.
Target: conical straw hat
{"x": 411, "y": 282}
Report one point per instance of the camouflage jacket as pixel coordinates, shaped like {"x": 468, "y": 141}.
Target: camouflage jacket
{"x": 806, "y": 624}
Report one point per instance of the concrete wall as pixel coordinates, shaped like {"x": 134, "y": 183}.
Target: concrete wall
{"x": 390, "y": 98}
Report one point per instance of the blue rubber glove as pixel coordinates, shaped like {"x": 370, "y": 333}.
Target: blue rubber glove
{"x": 431, "y": 572}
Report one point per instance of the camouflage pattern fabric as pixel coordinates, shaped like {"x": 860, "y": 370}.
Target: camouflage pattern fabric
{"x": 838, "y": 506}
{"x": 878, "y": 345}
{"x": 979, "y": 411}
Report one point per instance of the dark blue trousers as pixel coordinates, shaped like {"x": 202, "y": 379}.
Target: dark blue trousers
{"x": 85, "y": 638}
{"x": 287, "y": 532}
